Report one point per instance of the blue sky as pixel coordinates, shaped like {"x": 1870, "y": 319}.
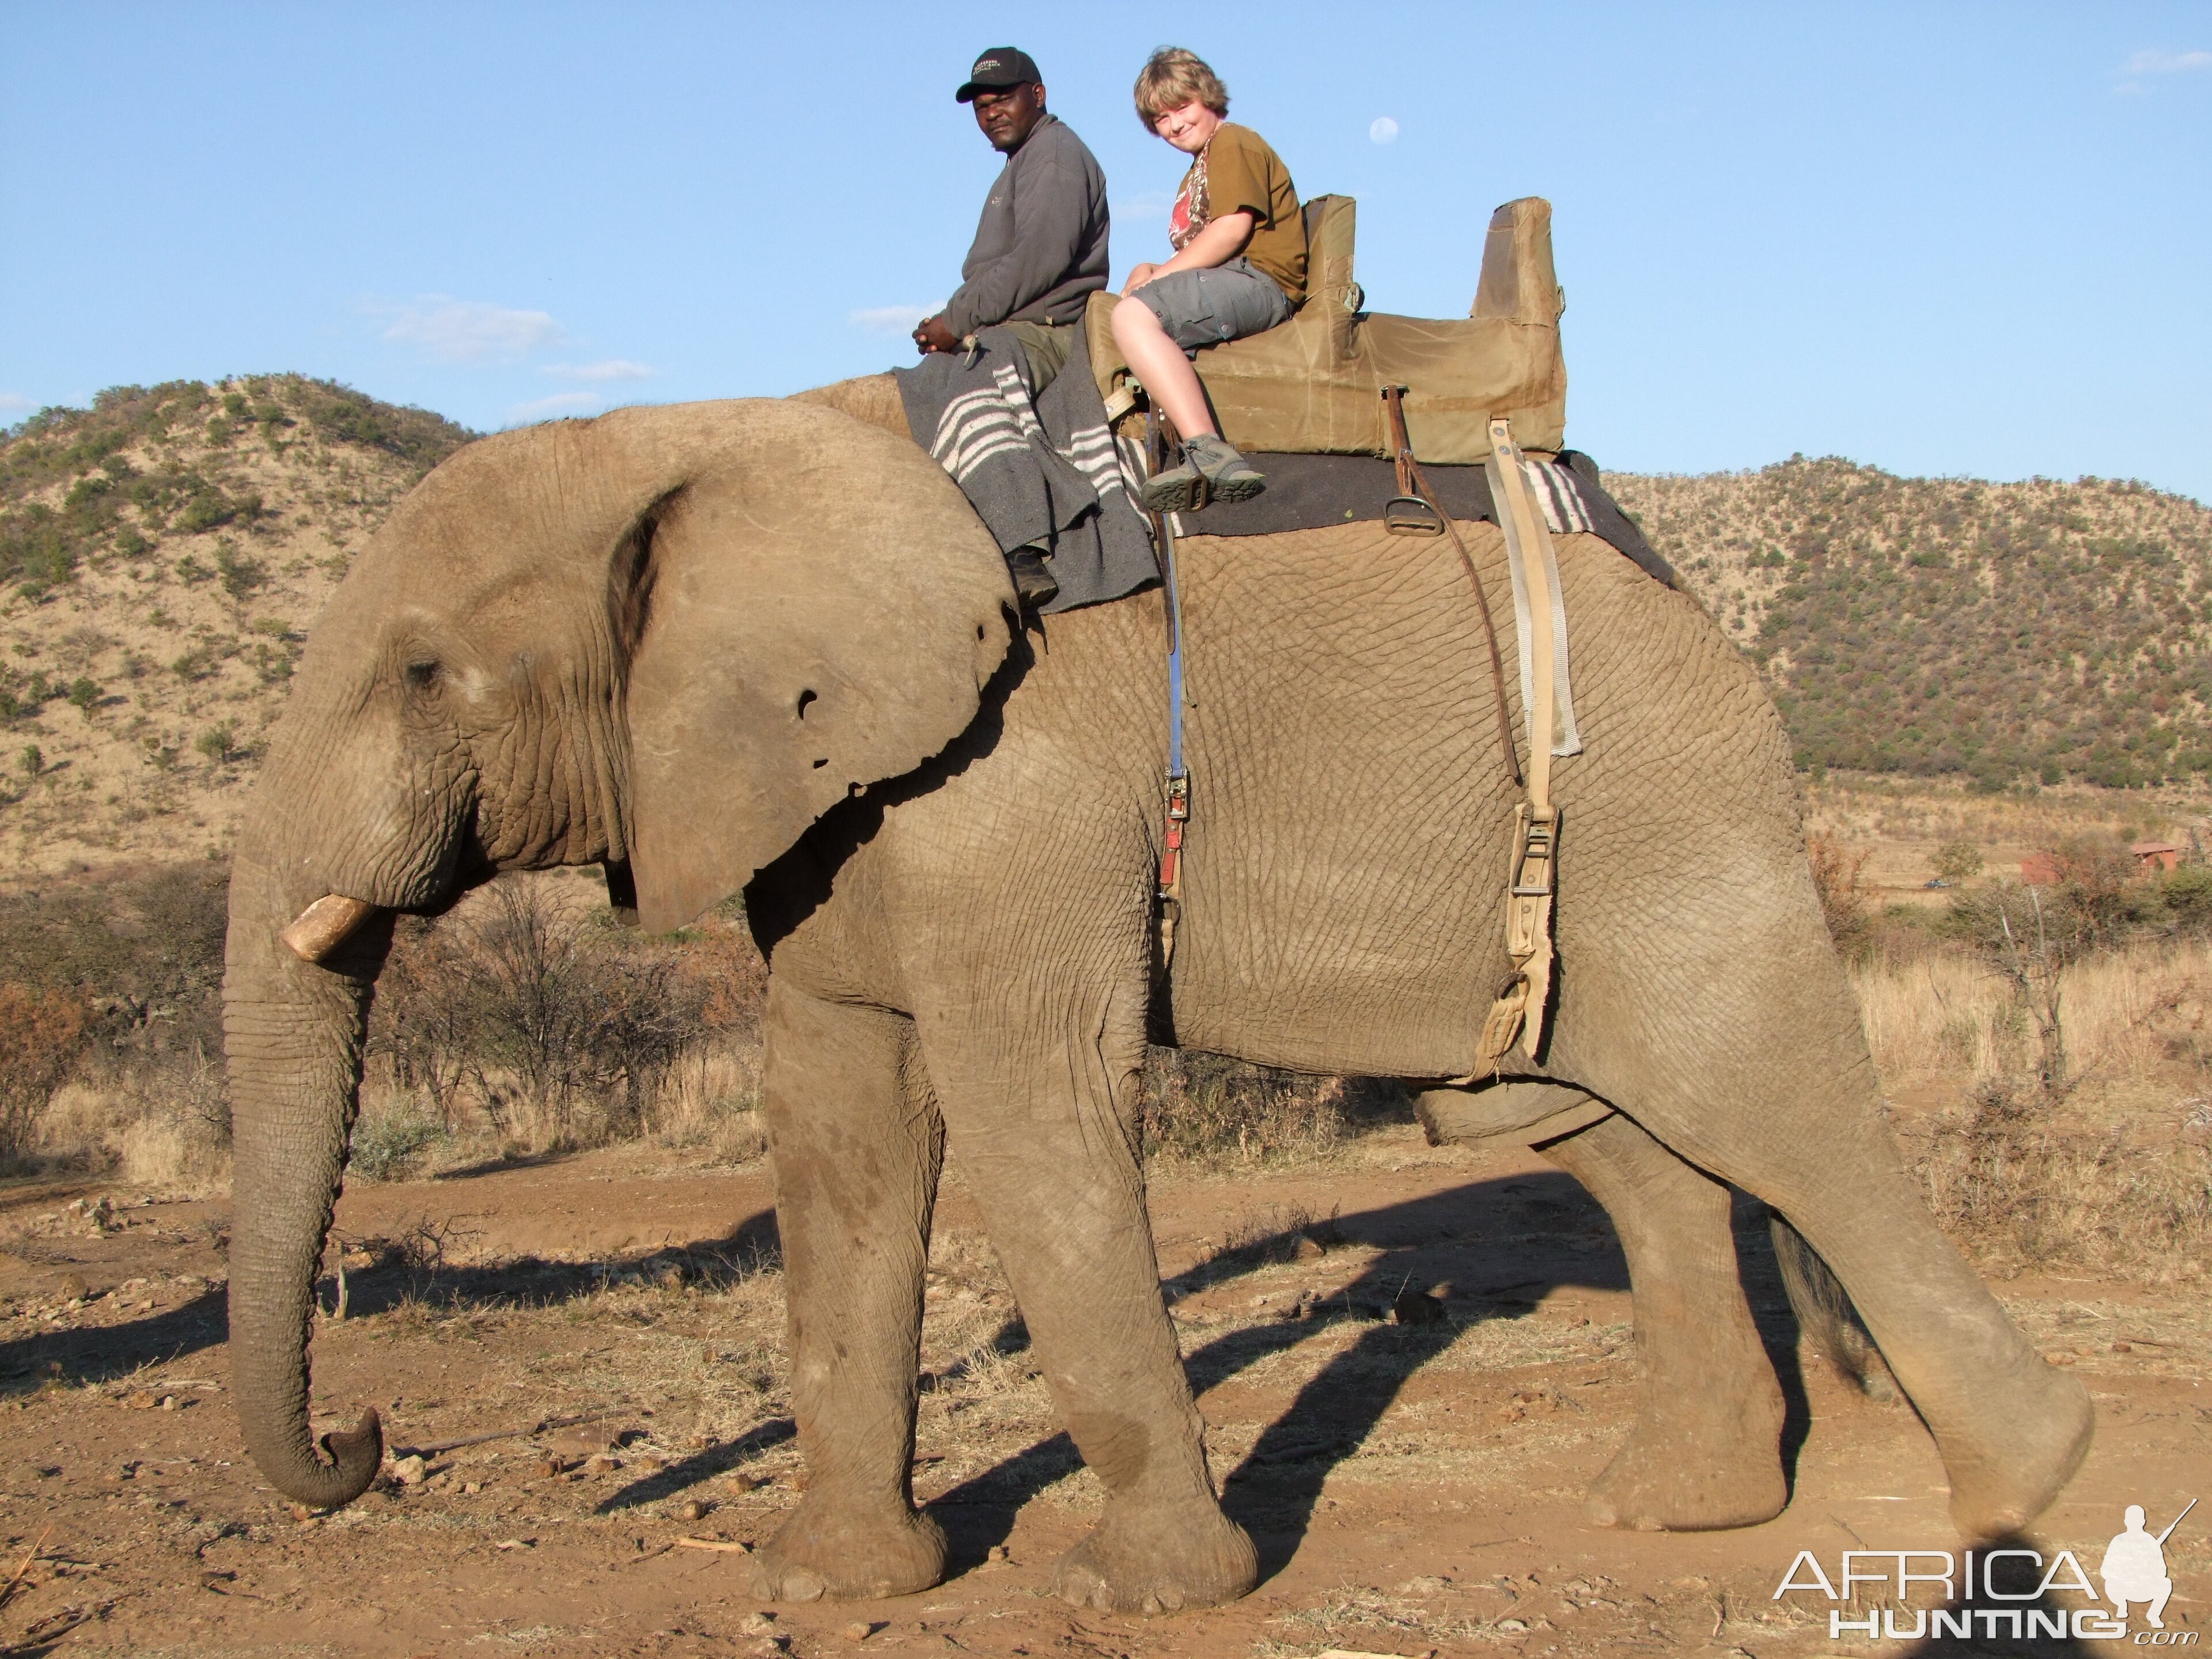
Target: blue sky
{"x": 1942, "y": 237}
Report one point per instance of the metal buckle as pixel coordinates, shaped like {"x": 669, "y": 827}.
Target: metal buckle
{"x": 1409, "y": 515}
{"x": 1538, "y": 843}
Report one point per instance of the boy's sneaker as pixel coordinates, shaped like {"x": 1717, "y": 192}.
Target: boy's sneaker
{"x": 1212, "y": 470}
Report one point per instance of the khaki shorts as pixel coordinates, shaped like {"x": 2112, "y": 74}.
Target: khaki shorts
{"x": 1222, "y": 303}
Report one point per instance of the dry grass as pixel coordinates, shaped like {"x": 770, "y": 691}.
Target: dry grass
{"x": 2111, "y": 1169}
{"x": 1218, "y": 1114}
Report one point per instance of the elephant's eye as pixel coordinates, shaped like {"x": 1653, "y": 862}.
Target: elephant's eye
{"x": 421, "y": 675}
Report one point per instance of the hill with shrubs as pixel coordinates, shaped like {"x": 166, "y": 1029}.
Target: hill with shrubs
{"x": 161, "y": 555}
{"x": 2002, "y": 633}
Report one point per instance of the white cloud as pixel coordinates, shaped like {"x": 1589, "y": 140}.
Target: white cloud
{"x": 614, "y": 368}
{"x": 2166, "y": 62}
{"x": 560, "y": 403}
{"x": 12, "y": 401}
{"x": 888, "y": 319}
{"x": 1384, "y": 130}
{"x": 1153, "y": 205}
{"x": 469, "y": 330}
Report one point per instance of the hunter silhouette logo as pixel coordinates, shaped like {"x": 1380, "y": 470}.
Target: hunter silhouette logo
{"x": 1976, "y": 1586}
{"x": 2134, "y": 1568}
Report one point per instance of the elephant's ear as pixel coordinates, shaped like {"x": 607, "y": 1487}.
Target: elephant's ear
{"x": 815, "y": 608}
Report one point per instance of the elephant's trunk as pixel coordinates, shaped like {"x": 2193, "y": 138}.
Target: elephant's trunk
{"x": 293, "y": 1031}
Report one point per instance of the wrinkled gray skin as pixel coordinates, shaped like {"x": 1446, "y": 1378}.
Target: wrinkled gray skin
{"x": 726, "y": 638}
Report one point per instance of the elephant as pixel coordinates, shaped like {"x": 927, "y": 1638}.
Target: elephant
{"x": 764, "y": 647}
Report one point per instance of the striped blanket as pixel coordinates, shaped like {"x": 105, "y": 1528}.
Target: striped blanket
{"x": 1041, "y": 472}
{"x": 1309, "y": 492}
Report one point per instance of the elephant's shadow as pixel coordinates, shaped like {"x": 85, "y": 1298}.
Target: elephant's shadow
{"x": 1504, "y": 1245}
{"x": 403, "y": 1272}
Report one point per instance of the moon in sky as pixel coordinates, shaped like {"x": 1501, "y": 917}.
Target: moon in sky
{"x": 1384, "y": 131}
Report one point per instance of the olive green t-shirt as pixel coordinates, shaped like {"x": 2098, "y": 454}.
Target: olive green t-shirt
{"x": 1238, "y": 173}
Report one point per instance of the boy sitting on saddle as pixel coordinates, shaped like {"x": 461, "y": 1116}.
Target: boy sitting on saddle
{"x": 1239, "y": 267}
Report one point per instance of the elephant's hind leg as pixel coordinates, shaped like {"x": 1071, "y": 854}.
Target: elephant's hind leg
{"x": 1705, "y": 1449}
{"x": 1771, "y": 1086}
{"x": 857, "y": 1144}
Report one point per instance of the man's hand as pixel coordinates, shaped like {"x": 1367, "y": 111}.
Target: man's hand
{"x": 932, "y": 335}
{"x": 1137, "y": 278}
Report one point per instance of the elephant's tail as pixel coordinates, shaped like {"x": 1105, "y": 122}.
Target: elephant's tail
{"x": 1825, "y": 1315}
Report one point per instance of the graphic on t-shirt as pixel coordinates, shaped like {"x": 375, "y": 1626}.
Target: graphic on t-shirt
{"x": 1192, "y": 209}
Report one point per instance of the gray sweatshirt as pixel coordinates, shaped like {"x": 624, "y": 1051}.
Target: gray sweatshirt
{"x": 1040, "y": 248}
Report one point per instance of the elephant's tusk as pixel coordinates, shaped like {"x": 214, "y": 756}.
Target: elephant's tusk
{"x": 325, "y": 925}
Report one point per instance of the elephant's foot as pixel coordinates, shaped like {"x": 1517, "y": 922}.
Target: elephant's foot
{"x": 1158, "y": 1559}
{"x": 1696, "y": 1462}
{"x": 844, "y": 1551}
{"x": 1661, "y": 1484}
{"x": 2030, "y": 1445}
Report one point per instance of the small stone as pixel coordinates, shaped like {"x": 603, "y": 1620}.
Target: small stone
{"x": 690, "y": 1509}
{"x": 2123, "y": 1347}
{"x": 1416, "y": 1307}
{"x": 1513, "y": 1624}
{"x": 859, "y": 1630}
{"x": 1309, "y": 1248}
{"x": 168, "y": 1402}
{"x": 744, "y": 1482}
{"x": 73, "y": 1288}
{"x": 471, "y": 1488}
{"x": 758, "y": 1624}
{"x": 999, "y": 1552}
{"x": 601, "y": 1464}
{"x": 551, "y": 1466}
{"x": 409, "y": 1471}
{"x": 142, "y": 1401}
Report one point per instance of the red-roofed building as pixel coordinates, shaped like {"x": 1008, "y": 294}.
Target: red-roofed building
{"x": 2155, "y": 857}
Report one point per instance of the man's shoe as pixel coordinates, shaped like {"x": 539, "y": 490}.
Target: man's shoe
{"x": 1212, "y": 470}
{"x": 1033, "y": 583}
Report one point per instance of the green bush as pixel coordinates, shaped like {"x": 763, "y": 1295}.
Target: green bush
{"x": 388, "y": 1142}
{"x": 2186, "y": 893}
{"x": 205, "y": 509}
{"x": 238, "y": 575}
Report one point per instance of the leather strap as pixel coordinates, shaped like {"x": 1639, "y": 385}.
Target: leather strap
{"x": 1519, "y": 1010}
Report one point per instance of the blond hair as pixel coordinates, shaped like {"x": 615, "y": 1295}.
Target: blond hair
{"x": 1172, "y": 77}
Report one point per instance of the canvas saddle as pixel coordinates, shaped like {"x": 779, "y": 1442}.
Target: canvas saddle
{"x": 1313, "y": 385}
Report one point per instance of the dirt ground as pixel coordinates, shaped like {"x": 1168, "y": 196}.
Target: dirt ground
{"x": 1414, "y": 1487}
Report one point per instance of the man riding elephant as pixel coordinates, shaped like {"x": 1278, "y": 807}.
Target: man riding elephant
{"x": 1040, "y": 248}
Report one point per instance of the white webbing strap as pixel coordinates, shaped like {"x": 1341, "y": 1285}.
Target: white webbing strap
{"x": 1533, "y": 871}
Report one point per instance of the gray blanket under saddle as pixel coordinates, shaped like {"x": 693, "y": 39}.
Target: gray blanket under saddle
{"x": 1041, "y": 472}
{"x": 1308, "y": 492}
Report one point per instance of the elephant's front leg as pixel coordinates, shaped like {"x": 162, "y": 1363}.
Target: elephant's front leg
{"x": 1044, "y": 1139}
{"x": 1705, "y": 1450}
{"x": 857, "y": 1144}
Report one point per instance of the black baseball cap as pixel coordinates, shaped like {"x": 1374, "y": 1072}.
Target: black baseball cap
{"x": 999, "y": 66}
